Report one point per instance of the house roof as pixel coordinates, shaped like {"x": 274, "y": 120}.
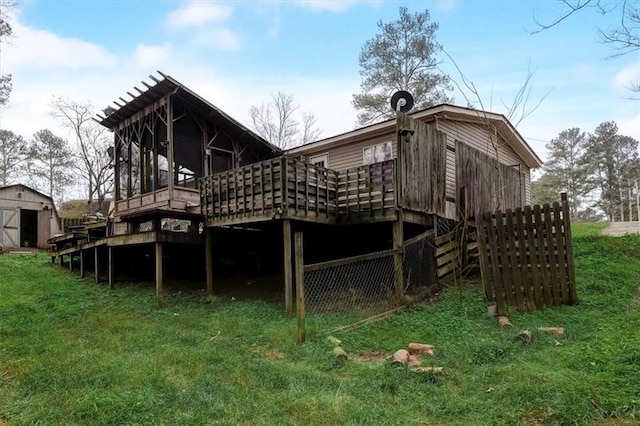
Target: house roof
{"x": 165, "y": 86}
{"x": 445, "y": 111}
{"x": 35, "y": 191}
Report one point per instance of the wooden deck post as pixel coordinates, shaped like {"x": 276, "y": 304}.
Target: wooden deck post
{"x": 299, "y": 253}
{"x": 159, "y": 275}
{"x": 110, "y": 266}
{"x": 288, "y": 266}
{"x": 398, "y": 239}
{"x": 70, "y": 262}
{"x": 209, "y": 259}
{"x": 81, "y": 263}
{"x": 96, "y": 264}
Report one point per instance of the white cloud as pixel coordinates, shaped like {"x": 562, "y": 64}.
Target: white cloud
{"x": 627, "y": 76}
{"x": 630, "y": 126}
{"x": 217, "y": 37}
{"x": 335, "y": 6}
{"x": 195, "y": 14}
{"x": 34, "y": 48}
{"x": 153, "y": 56}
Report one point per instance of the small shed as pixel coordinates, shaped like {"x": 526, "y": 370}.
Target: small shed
{"x": 28, "y": 218}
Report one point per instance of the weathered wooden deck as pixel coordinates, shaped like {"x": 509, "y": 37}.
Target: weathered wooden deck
{"x": 288, "y": 188}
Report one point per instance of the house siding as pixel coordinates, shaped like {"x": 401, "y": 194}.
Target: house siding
{"x": 472, "y": 134}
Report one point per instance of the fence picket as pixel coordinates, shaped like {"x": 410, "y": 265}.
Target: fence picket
{"x": 526, "y": 257}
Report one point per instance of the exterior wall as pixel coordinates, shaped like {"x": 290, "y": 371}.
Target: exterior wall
{"x": 349, "y": 155}
{"x": 477, "y": 136}
{"x": 19, "y": 197}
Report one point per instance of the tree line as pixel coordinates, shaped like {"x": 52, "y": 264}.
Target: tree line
{"x": 53, "y": 164}
{"x": 599, "y": 171}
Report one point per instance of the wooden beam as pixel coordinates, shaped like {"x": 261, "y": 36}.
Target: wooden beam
{"x": 70, "y": 262}
{"x": 96, "y": 264}
{"x": 81, "y": 264}
{"x": 209, "y": 259}
{"x": 300, "y": 305}
{"x": 288, "y": 266}
{"x": 159, "y": 276}
{"x": 110, "y": 267}
{"x": 170, "y": 151}
{"x": 398, "y": 239}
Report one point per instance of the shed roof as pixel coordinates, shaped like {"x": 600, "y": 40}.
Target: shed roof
{"x": 446, "y": 111}
{"x": 165, "y": 86}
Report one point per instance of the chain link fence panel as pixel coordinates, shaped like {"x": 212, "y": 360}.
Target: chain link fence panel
{"x": 349, "y": 291}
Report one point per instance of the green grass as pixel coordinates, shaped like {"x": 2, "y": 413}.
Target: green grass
{"x": 580, "y": 229}
{"x": 72, "y": 352}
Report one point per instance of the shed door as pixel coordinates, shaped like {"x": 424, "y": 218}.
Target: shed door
{"x": 9, "y": 232}
{"x": 44, "y": 228}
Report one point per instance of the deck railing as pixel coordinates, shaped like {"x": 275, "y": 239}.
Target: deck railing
{"x": 289, "y": 187}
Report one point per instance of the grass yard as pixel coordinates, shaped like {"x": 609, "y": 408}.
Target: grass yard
{"x": 72, "y": 352}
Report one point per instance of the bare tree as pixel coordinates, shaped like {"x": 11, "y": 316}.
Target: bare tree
{"x": 91, "y": 143}
{"x": 277, "y": 122}
{"x": 624, "y": 38}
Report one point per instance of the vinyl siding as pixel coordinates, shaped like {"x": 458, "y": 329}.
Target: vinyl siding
{"x": 350, "y": 155}
{"x": 472, "y": 134}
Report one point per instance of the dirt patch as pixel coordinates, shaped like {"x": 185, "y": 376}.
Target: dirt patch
{"x": 371, "y": 356}
{"x": 272, "y": 354}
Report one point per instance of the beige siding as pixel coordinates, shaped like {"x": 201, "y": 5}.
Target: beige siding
{"x": 451, "y": 174}
{"x": 527, "y": 186}
{"x": 477, "y": 136}
{"x": 350, "y": 155}
{"x": 472, "y": 134}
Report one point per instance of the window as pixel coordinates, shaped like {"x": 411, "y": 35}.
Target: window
{"x": 320, "y": 160}
{"x": 377, "y": 153}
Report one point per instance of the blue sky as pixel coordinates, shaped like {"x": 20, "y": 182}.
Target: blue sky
{"x": 235, "y": 53}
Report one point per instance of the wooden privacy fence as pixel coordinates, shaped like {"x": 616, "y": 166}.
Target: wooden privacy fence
{"x": 526, "y": 256}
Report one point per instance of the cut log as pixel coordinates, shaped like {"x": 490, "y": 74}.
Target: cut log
{"x": 525, "y": 336}
{"x": 336, "y": 342}
{"x": 413, "y": 360}
{"x": 421, "y": 349}
{"x": 552, "y": 330}
{"x": 503, "y": 322}
{"x": 428, "y": 370}
{"x": 400, "y": 356}
{"x": 340, "y": 353}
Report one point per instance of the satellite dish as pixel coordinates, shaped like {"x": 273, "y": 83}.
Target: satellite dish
{"x": 402, "y": 101}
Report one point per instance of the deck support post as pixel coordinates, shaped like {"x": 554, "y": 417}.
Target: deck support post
{"x": 288, "y": 267}
{"x": 96, "y": 264}
{"x": 82, "y": 264}
{"x": 110, "y": 266}
{"x": 300, "y": 304}
{"x": 70, "y": 262}
{"x": 398, "y": 257}
{"x": 159, "y": 275}
{"x": 61, "y": 260}
{"x": 209, "y": 259}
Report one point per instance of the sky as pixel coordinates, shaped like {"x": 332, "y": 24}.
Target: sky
{"x": 237, "y": 53}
